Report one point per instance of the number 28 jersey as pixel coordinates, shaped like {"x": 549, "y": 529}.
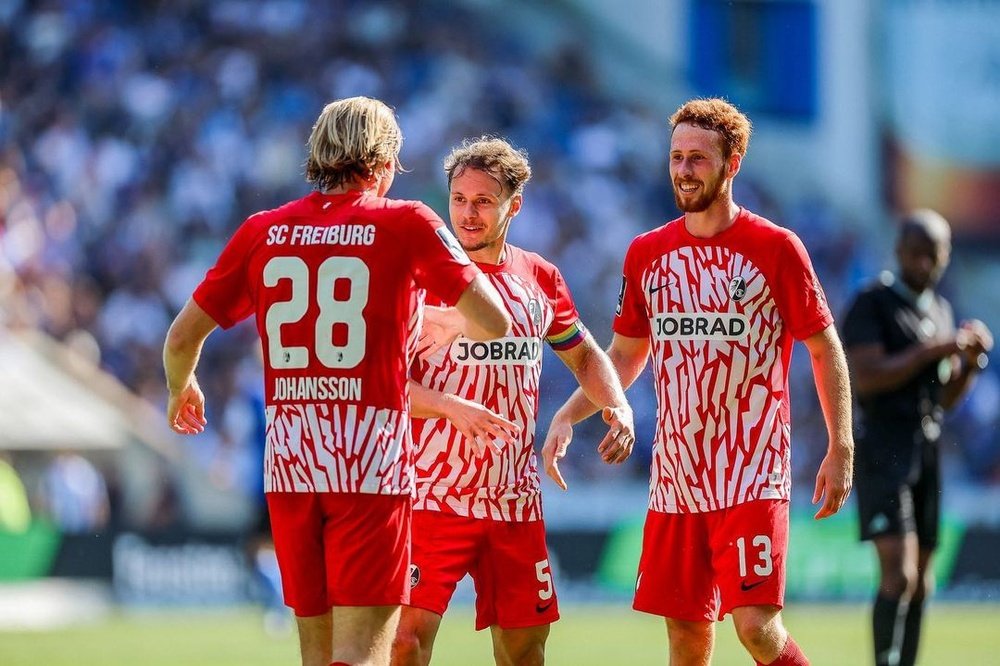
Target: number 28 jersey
{"x": 333, "y": 282}
{"x": 721, "y": 314}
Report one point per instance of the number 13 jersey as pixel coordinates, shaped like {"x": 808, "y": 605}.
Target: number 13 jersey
{"x": 721, "y": 314}
{"x": 333, "y": 282}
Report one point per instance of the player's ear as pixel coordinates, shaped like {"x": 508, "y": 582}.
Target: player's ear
{"x": 515, "y": 205}
{"x": 735, "y": 161}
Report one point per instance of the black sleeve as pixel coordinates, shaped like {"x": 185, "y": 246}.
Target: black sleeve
{"x": 863, "y": 323}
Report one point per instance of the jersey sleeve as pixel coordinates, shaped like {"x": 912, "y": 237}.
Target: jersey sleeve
{"x": 440, "y": 264}
{"x": 224, "y": 294}
{"x": 631, "y": 319}
{"x": 798, "y": 293}
{"x": 566, "y": 331}
{"x": 862, "y": 323}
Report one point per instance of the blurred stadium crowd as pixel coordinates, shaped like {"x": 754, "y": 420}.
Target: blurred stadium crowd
{"x": 135, "y": 137}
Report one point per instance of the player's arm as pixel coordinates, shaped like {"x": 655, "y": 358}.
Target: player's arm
{"x": 483, "y": 315}
{"x": 975, "y": 341}
{"x": 181, "y": 350}
{"x": 834, "y": 479}
{"x": 875, "y": 371}
{"x": 626, "y": 357}
{"x": 480, "y": 425}
{"x": 599, "y": 382}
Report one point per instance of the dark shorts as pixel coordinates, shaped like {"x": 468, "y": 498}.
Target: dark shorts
{"x": 891, "y": 503}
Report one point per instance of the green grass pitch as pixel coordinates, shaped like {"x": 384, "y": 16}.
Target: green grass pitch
{"x": 835, "y": 635}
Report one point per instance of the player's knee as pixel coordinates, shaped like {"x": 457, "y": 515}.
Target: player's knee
{"x": 759, "y": 630}
{"x": 898, "y": 583}
{"x": 408, "y": 648}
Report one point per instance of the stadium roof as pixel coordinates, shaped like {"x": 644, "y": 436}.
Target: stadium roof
{"x": 51, "y": 398}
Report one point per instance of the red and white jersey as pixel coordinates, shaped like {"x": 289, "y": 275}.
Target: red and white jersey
{"x": 503, "y": 375}
{"x": 333, "y": 281}
{"x": 721, "y": 315}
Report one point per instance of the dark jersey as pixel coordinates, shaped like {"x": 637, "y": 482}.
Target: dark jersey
{"x": 895, "y": 424}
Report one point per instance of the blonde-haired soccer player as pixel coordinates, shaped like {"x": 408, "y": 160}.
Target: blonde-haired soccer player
{"x": 333, "y": 280}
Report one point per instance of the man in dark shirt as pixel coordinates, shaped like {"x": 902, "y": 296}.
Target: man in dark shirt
{"x": 909, "y": 363}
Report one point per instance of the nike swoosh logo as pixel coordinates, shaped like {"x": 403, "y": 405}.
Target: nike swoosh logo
{"x": 655, "y": 289}
{"x": 746, "y": 587}
{"x": 541, "y": 608}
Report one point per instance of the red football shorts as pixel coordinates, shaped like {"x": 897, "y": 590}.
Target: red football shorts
{"x": 508, "y": 562}
{"x": 341, "y": 549}
{"x": 700, "y": 566}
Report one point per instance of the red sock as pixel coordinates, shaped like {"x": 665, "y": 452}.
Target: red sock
{"x": 791, "y": 655}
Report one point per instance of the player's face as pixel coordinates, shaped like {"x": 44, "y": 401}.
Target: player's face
{"x": 698, "y": 170}
{"x": 922, "y": 259}
{"x": 480, "y": 210}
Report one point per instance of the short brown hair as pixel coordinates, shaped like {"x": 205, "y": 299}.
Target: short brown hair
{"x": 493, "y": 155}
{"x": 351, "y": 138}
{"x": 720, "y": 116}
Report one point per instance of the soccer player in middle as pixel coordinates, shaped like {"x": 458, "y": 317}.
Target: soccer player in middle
{"x": 478, "y": 508}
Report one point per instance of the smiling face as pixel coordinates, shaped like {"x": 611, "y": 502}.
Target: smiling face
{"x": 481, "y": 212}
{"x": 700, "y": 174}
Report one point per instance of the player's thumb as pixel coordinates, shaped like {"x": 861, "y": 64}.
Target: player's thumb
{"x": 608, "y": 414}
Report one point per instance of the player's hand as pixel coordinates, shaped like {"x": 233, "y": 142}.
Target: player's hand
{"x": 977, "y": 336}
{"x": 616, "y": 446}
{"x": 833, "y": 481}
{"x": 556, "y": 443}
{"x": 484, "y": 428}
{"x": 186, "y": 410}
{"x": 440, "y": 328}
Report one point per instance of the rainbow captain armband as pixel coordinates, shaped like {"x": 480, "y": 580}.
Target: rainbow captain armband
{"x": 568, "y": 338}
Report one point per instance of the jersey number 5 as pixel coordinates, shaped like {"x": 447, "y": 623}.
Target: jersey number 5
{"x": 331, "y": 311}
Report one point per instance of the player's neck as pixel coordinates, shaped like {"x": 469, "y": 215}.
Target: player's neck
{"x": 713, "y": 220}
{"x": 344, "y": 188}
{"x": 492, "y": 254}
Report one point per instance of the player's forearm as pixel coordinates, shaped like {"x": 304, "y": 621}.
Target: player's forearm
{"x": 881, "y": 373}
{"x": 599, "y": 380}
{"x": 482, "y": 315}
{"x": 182, "y": 348}
{"x": 576, "y": 408}
{"x": 834, "y": 391}
{"x": 427, "y": 403}
{"x": 624, "y": 367}
{"x": 180, "y": 358}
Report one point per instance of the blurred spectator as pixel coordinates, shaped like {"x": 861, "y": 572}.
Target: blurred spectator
{"x": 74, "y": 495}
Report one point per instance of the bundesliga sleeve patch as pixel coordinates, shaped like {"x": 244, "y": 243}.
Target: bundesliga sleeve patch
{"x": 451, "y": 243}
{"x": 621, "y": 297}
{"x": 568, "y": 338}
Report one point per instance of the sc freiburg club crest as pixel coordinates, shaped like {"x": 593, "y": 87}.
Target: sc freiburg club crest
{"x": 414, "y": 575}
{"x": 737, "y": 288}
